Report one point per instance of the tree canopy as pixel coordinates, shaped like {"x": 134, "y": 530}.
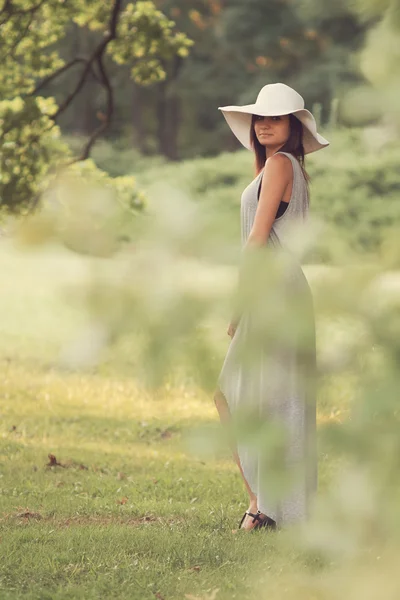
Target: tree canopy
{"x": 151, "y": 74}
{"x": 135, "y": 34}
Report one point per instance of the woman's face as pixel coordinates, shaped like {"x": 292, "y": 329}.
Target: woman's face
{"x": 272, "y": 131}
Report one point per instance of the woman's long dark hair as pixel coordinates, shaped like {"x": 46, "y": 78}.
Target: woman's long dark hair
{"x": 294, "y": 145}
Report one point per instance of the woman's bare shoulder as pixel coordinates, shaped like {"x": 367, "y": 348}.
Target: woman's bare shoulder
{"x": 279, "y": 165}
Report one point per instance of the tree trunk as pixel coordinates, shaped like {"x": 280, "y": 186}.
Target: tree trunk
{"x": 174, "y": 120}
{"x": 84, "y": 111}
{"x": 139, "y": 130}
{"x": 169, "y": 114}
{"x": 162, "y": 119}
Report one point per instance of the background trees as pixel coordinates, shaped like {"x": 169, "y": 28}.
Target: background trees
{"x": 65, "y": 47}
{"x": 149, "y": 75}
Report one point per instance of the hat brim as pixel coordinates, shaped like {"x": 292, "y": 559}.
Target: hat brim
{"x": 239, "y": 119}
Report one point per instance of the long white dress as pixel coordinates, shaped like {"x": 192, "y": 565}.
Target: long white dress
{"x": 270, "y": 367}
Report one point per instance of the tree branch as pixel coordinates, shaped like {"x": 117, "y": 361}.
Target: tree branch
{"x": 109, "y": 91}
{"x": 97, "y": 58}
{"x": 110, "y": 109}
{"x": 8, "y": 8}
{"x": 60, "y": 71}
{"x": 96, "y": 54}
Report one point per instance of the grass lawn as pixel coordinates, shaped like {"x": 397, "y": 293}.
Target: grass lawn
{"x": 133, "y": 510}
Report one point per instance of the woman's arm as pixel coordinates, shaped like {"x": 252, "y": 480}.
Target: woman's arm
{"x": 278, "y": 174}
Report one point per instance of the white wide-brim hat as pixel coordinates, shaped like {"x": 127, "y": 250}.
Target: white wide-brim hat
{"x": 274, "y": 99}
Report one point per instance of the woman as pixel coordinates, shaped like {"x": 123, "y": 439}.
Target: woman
{"x": 270, "y": 364}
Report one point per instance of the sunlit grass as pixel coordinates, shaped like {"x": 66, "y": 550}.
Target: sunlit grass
{"x": 134, "y": 507}
{"x": 132, "y": 511}
{"x": 138, "y": 507}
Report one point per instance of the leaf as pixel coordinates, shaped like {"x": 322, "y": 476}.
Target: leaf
{"x": 166, "y": 434}
{"x": 123, "y": 500}
{"x": 53, "y": 462}
{"x": 27, "y": 514}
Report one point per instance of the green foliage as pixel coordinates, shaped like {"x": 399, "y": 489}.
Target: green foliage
{"x": 30, "y": 147}
{"x": 28, "y": 33}
{"x": 124, "y": 187}
{"x": 354, "y": 192}
{"x": 147, "y": 39}
{"x": 87, "y": 210}
{"x": 116, "y": 158}
{"x": 379, "y": 62}
{"x": 137, "y": 35}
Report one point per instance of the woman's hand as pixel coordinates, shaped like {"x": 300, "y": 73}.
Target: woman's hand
{"x": 232, "y": 328}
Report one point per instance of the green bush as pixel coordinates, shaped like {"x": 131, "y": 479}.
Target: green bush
{"x": 117, "y": 157}
{"x": 87, "y": 210}
{"x": 354, "y": 191}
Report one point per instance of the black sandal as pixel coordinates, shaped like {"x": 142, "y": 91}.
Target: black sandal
{"x": 266, "y": 521}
